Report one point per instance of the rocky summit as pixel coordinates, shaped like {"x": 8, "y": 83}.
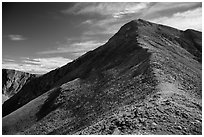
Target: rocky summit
{"x": 147, "y": 79}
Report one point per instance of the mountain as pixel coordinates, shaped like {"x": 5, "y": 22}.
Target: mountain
{"x": 13, "y": 81}
{"x": 147, "y": 79}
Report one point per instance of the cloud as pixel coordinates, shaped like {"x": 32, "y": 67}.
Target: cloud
{"x": 114, "y": 9}
{"x": 37, "y": 65}
{"x": 9, "y": 60}
{"x": 87, "y": 22}
{"x": 167, "y": 8}
{"x": 16, "y": 37}
{"x": 130, "y": 8}
{"x": 190, "y": 19}
{"x": 77, "y": 48}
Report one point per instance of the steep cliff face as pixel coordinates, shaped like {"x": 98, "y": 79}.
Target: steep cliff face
{"x": 13, "y": 81}
{"x": 145, "y": 80}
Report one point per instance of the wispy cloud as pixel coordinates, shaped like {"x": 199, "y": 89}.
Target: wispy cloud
{"x": 191, "y": 19}
{"x": 159, "y": 9}
{"x": 16, "y": 37}
{"x": 87, "y": 21}
{"x": 115, "y": 10}
{"x": 130, "y": 8}
{"x": 77, "y": 48}
{"x": 9, "y": 60}
{"x": 37, "y": 65}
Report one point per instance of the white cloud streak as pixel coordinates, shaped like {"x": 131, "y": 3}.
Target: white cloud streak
{"x": 37, "y": 65}
{"x": 16, "y": 37}
{"x": 87, "y": 22}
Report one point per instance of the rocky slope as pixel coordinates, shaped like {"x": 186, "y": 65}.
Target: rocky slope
{"x": 13, "y": 81}
{"x": 145, "y": 80}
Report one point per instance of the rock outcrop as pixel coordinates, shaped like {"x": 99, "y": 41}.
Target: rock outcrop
{"x": 145, "y": 80}
{"x": 13, "y": 81}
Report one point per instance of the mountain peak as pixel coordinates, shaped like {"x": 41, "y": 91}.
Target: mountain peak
{"x": 134, "y": 25}
{"x": 142, "y": 22}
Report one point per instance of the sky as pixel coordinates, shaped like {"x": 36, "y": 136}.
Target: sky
{"x": 39, "y": 37}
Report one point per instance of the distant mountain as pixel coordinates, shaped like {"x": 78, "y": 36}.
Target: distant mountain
{"x": 13, "y": 81}
{"x": 147, "y": 79}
